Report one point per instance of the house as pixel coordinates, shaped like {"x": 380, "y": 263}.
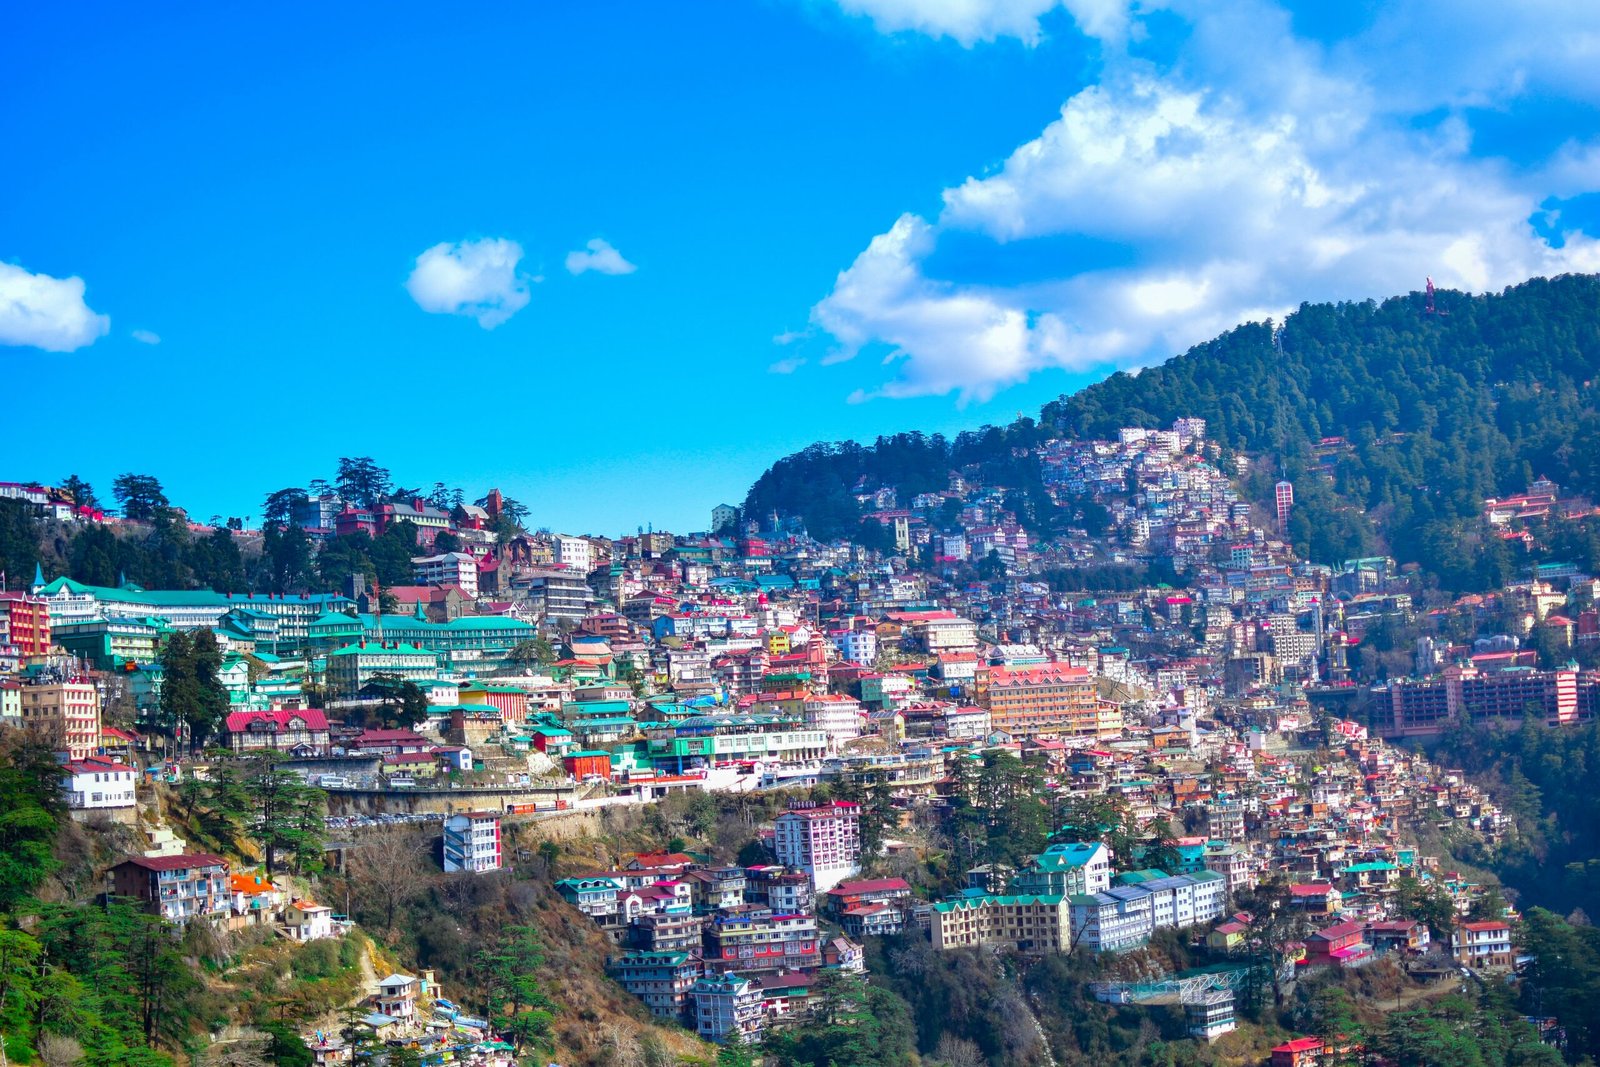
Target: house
{"x": 870, "y": 908}
{"x": 397, "y": 996}
{"x": 178, "y": 888}
{"x": 1482, "y": 944}
{"x": 1341, "y": 945}
{"x": 594, "y": 896}
{"x": 1301, "y": 1052}
{"x": 299, "y": 731}
{"x": 253, "y": 899}
{"x": 1405, "y": 935}
{"x": 306, "y": 920}
{"x": 1316, "y": 898}
{"x": 1228, "y": 935}
{"x": 97, "y": 784}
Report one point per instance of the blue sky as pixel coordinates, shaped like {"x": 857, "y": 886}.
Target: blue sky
{"x": 804, "y": 220}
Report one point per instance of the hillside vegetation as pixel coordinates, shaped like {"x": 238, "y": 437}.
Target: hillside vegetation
{"x": 1437, "y": 411}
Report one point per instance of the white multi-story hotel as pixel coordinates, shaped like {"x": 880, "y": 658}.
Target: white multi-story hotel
{"x": 472, "y": 841}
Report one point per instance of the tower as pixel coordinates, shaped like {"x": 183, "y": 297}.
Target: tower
{"x": 1284, "y": 494}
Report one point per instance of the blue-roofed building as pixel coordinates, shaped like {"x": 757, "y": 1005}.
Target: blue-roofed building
{"x": 1065, "y": 870}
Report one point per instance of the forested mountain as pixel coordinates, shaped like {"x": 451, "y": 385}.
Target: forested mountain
{"x": 1438, "y": 410}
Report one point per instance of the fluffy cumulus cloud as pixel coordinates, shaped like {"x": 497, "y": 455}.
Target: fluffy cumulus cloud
{"x": 146, "y": 337}
{"x": 972, "y": 21}
{"x": 1256, "y": 171}
{"x": 478, "y": 279}
{"x": 598, "y": 256}
{"x": 39, "y": 311}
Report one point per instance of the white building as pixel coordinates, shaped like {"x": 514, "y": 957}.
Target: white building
{"x": 574, "y": 552}
{"x": 837, "y": 716}
{"x": 856, "y": 646}
{"x": 824, "y": 840}
{"x": 1125, "y": 916}
{"x": 472, "y": 841}
{"x": 307, "y": 920}
{"x": 94, "y": 784}
{"x": 447, "y": 568}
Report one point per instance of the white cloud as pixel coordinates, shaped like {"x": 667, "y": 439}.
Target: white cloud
{"x": 478, "y": 279}
{"x": 787, "y": 366}
{"x": 146, "y": 337}
{"x": 44, "y": 312}
{"x": 600, "y": 257}
{"x": 1255, "y": 173}
{"x": 972, "y": 21}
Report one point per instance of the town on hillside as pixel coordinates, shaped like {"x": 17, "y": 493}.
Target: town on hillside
{"x": 1158, "y": 728}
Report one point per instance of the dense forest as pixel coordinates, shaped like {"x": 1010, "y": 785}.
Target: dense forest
{"x": 1437, "y": 412}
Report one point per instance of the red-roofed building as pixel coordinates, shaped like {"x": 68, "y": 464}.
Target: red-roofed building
{"x": 1315, "y": 898}
{"x": 1342, "y": 945}
{"x": 95, "y": 784}
{"x": 1301, "y": 1052}
{"x": 1482, "y": 944}
{"x": 300, "y": 731}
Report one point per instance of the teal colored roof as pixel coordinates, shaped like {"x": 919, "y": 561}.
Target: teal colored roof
{"x": 401, "y": 649}
{"x": 156, "y": 598}
{"x": 1359, "y": 868}
{"x": 465, "y": 622}
{"x": 590, "y": 752}
{"x": 999, "y": 901}
{"x": 602, "y": 723}
{"x": 1149, "y": 874}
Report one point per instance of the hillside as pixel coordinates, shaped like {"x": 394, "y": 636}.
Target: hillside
{"x": 1436, "y": 412}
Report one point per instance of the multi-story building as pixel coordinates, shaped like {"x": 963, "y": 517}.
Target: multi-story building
{"x": 1421, "y": 708}
{"x": 447, "y": 568}
{"x": 823, "y": 840}
{"x": 1025, "y": 922}
{"x": 557, "y": 593}
{"x": 575, "y": 553}
{"x": 708, "y": 739}
{"x": 727, "y": 1009}
{"x": 109, "y": 643}
{"x": 753, "y": 938}
{"x": 856, "y": 646}
{"x": 472, "y": 841}
{"x": 66, "y": 710}
{"x": 668, "y": 932}
{"x": 353, "y": 666}
{"x": 1482, "y": 944}
{"x": 594, "y": 895}
{"x": 178, "y": 888}
{"x": 98, "y": 784}
{"x": 1125, "y": 916}
{"x": 1065, "y": 870}
{"x": 663, "y": 980}
{"x": 1051, "y": 698}
{"x": 28, "y": 620}
{"x": 837, "y": 716}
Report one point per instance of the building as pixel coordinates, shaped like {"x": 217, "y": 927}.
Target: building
{"x": 823, "y": 840}
{"x": 1026, "y": 923}
{"x": 1051, "y": 698}
{"x": 397, "y": 996}
{"x": 447, "y": 568}
{"x": 575, "y": 553}
{"x": 663, "y": 980}
{"x": 1283, "y": 496}
{"x": 28, "y": 620}
{"x": 1065, "y": 870}
{"x": 353, "y": 666}
{"x": 98, "y": 784}
{"x": 1482, "y": 944}
{"x": 472, "y": 841}
{"x": 66, "y": 710}
{"x": 722, "y": 516}
{"x": 177, "y": 888}
{"x": 299, "y": 731}
{"x": 306, "y": 920}
{"x": 727, "y": 1009}
{"x": 753, "y": 937}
